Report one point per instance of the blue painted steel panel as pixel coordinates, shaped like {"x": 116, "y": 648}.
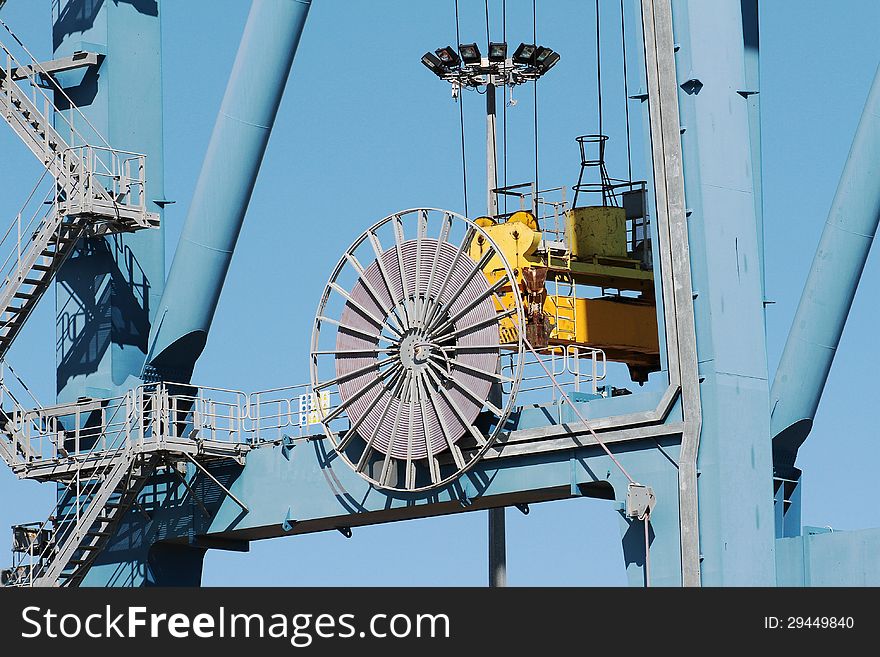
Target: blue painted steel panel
{"x": 107, "y": 293}
{"x": 314, "y": 493}
{"x": 829, "y": 558}
{"x": 734, "y": 460}
{"x": 590, "y": 407}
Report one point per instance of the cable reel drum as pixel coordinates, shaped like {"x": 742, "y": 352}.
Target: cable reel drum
{"x": 417, "y": 350}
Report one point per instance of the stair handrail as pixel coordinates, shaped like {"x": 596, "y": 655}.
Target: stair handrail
{"x": 77, "y": 139}
{"x": 6, "y": 367}
{"x": 94, "y": 481}
{"x": 19, "y": 416}
{"x": 16, "y": 223}
{"x": 25, "y": 234}
{"x": 35, "y": 67}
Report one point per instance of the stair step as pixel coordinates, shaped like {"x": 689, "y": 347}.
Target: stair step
{"x": 24, "y": 295}
{"x": 42, "y": 267}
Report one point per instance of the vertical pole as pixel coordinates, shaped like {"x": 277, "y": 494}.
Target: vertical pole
{"x": 491, "y": 153}
{"x": 497, "y": 549}
{"x": 497, "y": 540}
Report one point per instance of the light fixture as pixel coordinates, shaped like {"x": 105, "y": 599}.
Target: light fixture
{"x": 548, "y": 62}
{"x": 469, "y": 68}
{"x": 525, "y": 53}
{"x": 433, "y": 64}
{"x": 448, "y": 56}
{"x": 470, "y": 53}
{"x": 497, "y": 52}
{"x": 541, "y": 53}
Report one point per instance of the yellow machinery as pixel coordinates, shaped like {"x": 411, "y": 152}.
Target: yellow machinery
{"x": 618, "y": 315}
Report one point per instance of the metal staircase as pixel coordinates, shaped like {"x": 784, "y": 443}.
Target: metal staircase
{"x": 95, "y": 493}
{"x": 97, "y": 190}
{"x": 103, "y": 452}
{"x": 100, "y": 452}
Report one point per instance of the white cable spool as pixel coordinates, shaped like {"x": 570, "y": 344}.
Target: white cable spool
{"x": 406, "y": 350}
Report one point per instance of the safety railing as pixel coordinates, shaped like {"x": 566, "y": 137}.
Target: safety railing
{"x": 573, "y": 367}
{"x": 110, "y": 176}
{"x": 223, "y": 415}
{"x": 77, "y": 432}
{"x": 43, "y": 88}
{"x": 289, "y": 412}
{"x": 550, "y": 206}
{"x": 214, "y": 414}
{"x": 547, "y": 205}
{"x": 89, "y": 171}
{"x": 80, "y": 497}
{"x": 73, "y": 431}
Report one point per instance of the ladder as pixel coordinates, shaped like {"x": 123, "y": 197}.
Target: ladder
{"x": 97, "y": 190}
{"x": 565, "y": 313}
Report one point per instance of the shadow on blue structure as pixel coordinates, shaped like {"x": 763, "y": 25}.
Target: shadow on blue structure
{"x": 160, "y": 541}
{"x": 633, "y": 541}
{"x": 108, "y": 303}
{"x": 80, "y": 15}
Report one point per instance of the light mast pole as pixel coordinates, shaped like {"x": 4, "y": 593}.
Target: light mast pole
{"x": 470, "y": 69}
{"x": 491, "y": 150}
{"x": 497, "y": 533}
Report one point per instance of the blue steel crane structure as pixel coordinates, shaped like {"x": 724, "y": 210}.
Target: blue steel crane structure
{"x": 153, "y": 470}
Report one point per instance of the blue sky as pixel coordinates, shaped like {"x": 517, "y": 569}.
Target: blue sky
{"x": 356, "y": 140}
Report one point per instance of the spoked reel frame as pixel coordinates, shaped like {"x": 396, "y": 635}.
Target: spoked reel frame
{"x": 406, "y": 350}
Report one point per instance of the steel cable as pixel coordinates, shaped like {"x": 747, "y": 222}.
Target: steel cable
{"x": 394, "y": 422}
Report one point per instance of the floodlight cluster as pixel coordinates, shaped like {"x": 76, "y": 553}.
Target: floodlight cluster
{"x": 468, "y": 67}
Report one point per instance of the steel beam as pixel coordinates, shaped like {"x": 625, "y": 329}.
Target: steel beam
{"x": 830, "y": 288}
{"x": 662, "y": 82}
{"x": 225, "y": 185}
{"x": 736, "y": 519}
{"x": 310, "y": 490}
{"x": 79, "y": 59}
